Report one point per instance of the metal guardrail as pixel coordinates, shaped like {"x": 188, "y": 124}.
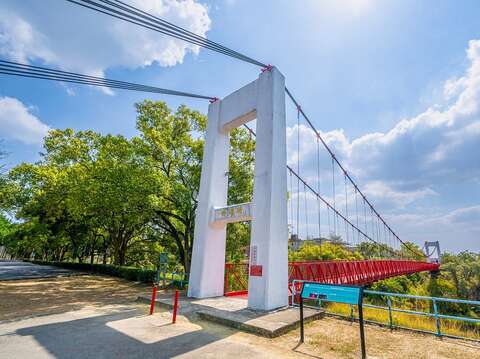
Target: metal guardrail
{"x": 391, "y": 309}
{"x": 360, "y": 272}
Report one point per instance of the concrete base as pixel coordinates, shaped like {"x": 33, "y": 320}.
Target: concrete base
{"x": 233, "y": 312}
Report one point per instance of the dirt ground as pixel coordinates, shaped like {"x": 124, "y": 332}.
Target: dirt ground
{"x": 26, "y": 298}
{"x": 45, "y": 305}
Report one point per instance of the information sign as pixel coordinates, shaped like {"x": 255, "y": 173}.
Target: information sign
{"x": 347, "y": 294}
{"x": 256, "y": 270}
{"x": 234, "y": 213}
{"x": 332, "y": 293}
{"x": 163, "y": 258}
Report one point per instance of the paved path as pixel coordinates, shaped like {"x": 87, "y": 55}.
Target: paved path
{"x": 126, "y": 332}
{"x": 10, "y": 270}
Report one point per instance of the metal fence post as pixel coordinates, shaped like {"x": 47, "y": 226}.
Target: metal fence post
{"x": 293, "y": 292}
{"x": 437, "y": 319}
{"x": 352, "y": 313}
{"x": 389, "y": 302}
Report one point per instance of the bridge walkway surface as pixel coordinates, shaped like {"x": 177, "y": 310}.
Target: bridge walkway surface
{"x": 359, "y": 272}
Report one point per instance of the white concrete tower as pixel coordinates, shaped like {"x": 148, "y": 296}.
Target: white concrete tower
{"x": 263, "y": 99}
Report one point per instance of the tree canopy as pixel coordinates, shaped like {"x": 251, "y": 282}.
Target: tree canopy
{"x": 122, "y": 199}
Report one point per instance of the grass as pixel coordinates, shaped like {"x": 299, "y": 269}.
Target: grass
{"x": 410, "y": 321}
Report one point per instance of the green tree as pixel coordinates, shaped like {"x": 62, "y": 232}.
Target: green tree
{"x": 93, "y": 193}
{"x": 173, "y": 148}
{"x": 5, "y": 229}
{"x": 326, "y": 251}
{"x": 240, "y": 190}
{"x": 463, "y": 271}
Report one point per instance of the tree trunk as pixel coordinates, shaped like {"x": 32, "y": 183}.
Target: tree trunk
{"x": 121, "y": 256}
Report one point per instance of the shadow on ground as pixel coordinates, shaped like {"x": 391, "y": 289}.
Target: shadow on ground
{"x": 118, "y": 336}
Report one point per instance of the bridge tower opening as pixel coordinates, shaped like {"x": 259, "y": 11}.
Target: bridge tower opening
{"x": 263, "y": 100}
{"x": 432, "y": 251}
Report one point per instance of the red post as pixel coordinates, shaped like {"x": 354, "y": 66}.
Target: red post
{"x": 225, "y": 286}
{"x": 154, "y": 295}
{"x": 175, "y": 307}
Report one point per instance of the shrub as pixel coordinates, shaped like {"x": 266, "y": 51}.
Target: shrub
{"x": 129, "y": 273}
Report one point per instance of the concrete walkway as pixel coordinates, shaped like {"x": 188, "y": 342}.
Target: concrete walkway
{"x": 125, "y": 332}
{"x": 233, "y": 312}
{"x": 14, "y": 270}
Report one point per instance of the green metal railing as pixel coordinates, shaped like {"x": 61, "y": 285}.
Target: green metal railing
{"x": 391, "y": 309}
{"x": 175, "y": 278}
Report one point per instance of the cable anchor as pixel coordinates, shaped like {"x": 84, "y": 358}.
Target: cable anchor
{"x": 267, "y": 68}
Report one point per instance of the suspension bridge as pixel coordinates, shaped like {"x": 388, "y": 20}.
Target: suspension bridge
{"x": 301, "y": 191}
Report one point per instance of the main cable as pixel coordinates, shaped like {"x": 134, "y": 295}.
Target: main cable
{"x": 347, "y": 175}
{"x": 39, "y": 72}
{"x": 131, "y": 14}
{"x": 320, "y": 197}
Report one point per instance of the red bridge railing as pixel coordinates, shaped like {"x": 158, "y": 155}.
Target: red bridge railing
{"x": 335, "y": 272}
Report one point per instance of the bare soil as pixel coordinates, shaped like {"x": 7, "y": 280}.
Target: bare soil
{"x": 27, "y": 298}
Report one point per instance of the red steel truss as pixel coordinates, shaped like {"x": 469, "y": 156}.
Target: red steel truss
{"x": 335, "y": 272}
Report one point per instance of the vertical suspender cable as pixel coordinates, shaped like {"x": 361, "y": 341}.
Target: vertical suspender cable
{"x": 131, "y": 14}
{"x": 356, "y": 213}
{"x": 298, "y": 171}
{"x": 291, "y": 200}
{"x": 306, "y": 209}
{"x": 365, "y": 215}
{"x": 318, "y": 189}
{"x": 328, "y": 218}
{"x": 334, "y": 197}
{"x": 346, "y": 206}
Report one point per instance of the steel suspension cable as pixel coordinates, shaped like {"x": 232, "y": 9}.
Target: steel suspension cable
{"x": 192, "y": 34}
{"x": 328, "y": 218}
{"x": 298, "y": 168}
{"x": 346, "y": 207}
{"x": 356, "y": 213}
{"x": 334, "y": 197}
{"x": 315, "y": 193}
{"x": 38, "y": 72}
{"x": 306, "y": 209}
{"x": 317, "y": 133}
{"x": 291, "y": 199}
{"x": 318, "y": 189}
{"x": 141, "y": 18}
{"x": 136, "y": 16}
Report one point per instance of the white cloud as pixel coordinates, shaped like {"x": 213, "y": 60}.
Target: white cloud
{"x": 468, "y": 215}
{"x": 18, "y": 123}
{"x": 457, "y": 229}
{"x": 410, "y": 170}
{"x": 438, "y": 146}
{"x": 20, "y": 42}
{"x": 380, "y": 191}
{"x": 78, "y": 39}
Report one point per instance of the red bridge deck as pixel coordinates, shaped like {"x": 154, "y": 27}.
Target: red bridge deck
{"x": 334, "y": 272}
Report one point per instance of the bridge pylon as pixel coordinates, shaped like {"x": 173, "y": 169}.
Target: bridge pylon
{"x": 432, "y": 251}
{"x": 264, "y": 100}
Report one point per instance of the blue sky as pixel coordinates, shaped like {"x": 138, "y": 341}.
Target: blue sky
{"x": 393, "y": 85}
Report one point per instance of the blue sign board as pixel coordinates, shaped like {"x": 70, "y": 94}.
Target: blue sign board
{"x": 347, "y": 294}
{"x": 332, "y": 293}
{"x": 163, "y": 258}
